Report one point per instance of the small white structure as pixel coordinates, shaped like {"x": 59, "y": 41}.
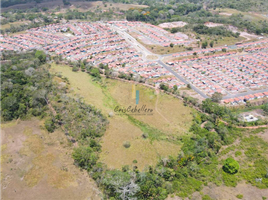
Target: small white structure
{"x": 249, "y": 118}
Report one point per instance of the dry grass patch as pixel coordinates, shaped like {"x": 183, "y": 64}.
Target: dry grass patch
{"x": 40, "y": 166}
{"x": 146, "y": 152}
{"x": 169, "y": 115}
{"x": 122, "y": 128}
{"x": 82, "y": 84}
{"x": 157, "y": 49}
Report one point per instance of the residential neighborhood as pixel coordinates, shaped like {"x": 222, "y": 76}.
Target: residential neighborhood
{"x": 210, "y": 70}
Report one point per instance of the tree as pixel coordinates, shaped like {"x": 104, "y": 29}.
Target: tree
{"x": 174, "y": 30}
{"x": 85, "y": 157}
{"x": 163, "y": 87}
{"x": 189, "y": 86}
{"x": 209, "y": 125}
{"x": 204, "y": 45}
{"x": 265, "y": 108}
{"x": 171, "y": 45}
{"x": 95, "y": 72}
{"x": 175, "y": 88}
{"x": 211, "y": 44}
{"x": 50, "y": 125}
{"x": 216, "y": 97}
{"x": 128, "y": 191}
{"x": 41, "y": 56}
{"x": 230, "y": 166}
{"x": 41, "y": 94}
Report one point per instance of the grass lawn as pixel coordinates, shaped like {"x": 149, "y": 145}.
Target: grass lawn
{"x": 162, "y": 139}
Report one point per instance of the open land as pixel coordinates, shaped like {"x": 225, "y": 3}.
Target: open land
{"x": 122, "y": 128}
{"x": 36, "y": 164}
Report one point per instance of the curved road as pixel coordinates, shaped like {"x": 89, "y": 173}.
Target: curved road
{"x": 145, "y": 52}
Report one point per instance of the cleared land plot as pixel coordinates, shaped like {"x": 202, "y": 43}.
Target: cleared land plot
{"x": 248, "y": 15}
{"x": 8, "y": 25}
{"x": 221, "y": 41}
{"x": 169, "y": 116}
{"x": 172, "y": 24}
{"x": 38, "y": 165}
{"x": 157, "y": 49}
{"x": 124, "y": 128}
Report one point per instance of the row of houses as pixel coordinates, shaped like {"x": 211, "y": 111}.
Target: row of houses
{"x": 95, "y": 42}
{"x": 226, "y": 73}
{"x": 208, "y": 58}
{"x": 152, "y": 33}
{"x": 246, "y": 98}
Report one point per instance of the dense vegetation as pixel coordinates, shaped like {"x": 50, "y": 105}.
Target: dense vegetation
{"x": 7, "y": 3}
{"x": 192, "y": 12}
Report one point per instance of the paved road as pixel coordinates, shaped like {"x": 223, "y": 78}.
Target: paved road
{"x": 145, "y": 52}
{"x": 244, "y": 93}
{"x": 183, "y": 80}
{"x": 140, "y": 48}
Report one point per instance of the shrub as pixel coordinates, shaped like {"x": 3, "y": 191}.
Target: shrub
{"x": 238, "y": 153}
{"x": 85, "y": 157}
{"x": 239, "y": 196}
{"x": 206, "y": 197}
{"x": 75, "y": 69}
{"x": 229, "y": 179}
{"x": 49, "y": 125}
{"x": 126, "y": 144}
{"x": 230, "y": 166}
{"x": 145, "y": 135}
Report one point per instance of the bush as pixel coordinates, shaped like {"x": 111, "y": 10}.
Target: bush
{"x": 41, "y": 56}
{"x": 49, "y": 125}
{"x": 206, "y": 197}
{"x": 145, "y": 135}
{"x": 75, "y": 69}
{"x": 126, "y": 144}
{"x": 230, "y": 166}
{"x": 238, "y": 153}
{"x": 239, "y": 196}
{"x": 229, "y": 180}
{"x": 85, "y": 157}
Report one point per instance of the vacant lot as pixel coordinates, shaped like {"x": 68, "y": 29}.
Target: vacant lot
{"x": 8, "y": 25}
{"x": 170, "y": 115}
{"x": 157, "y": 49}
{"x": 162, "y": 136}
{"x": 38, "y": 165}
{"x": 252, "y": 16}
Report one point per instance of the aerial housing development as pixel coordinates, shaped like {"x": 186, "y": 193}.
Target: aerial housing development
{"x": 239, "y": 77}
{"x": 134, "y": 100}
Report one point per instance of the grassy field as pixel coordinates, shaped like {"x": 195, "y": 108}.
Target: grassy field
{"x": 162, "y": 139}
{"x": 38, "y": 165}
{"x": 2, "y": 27}
{"x": 157, "y": 49}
